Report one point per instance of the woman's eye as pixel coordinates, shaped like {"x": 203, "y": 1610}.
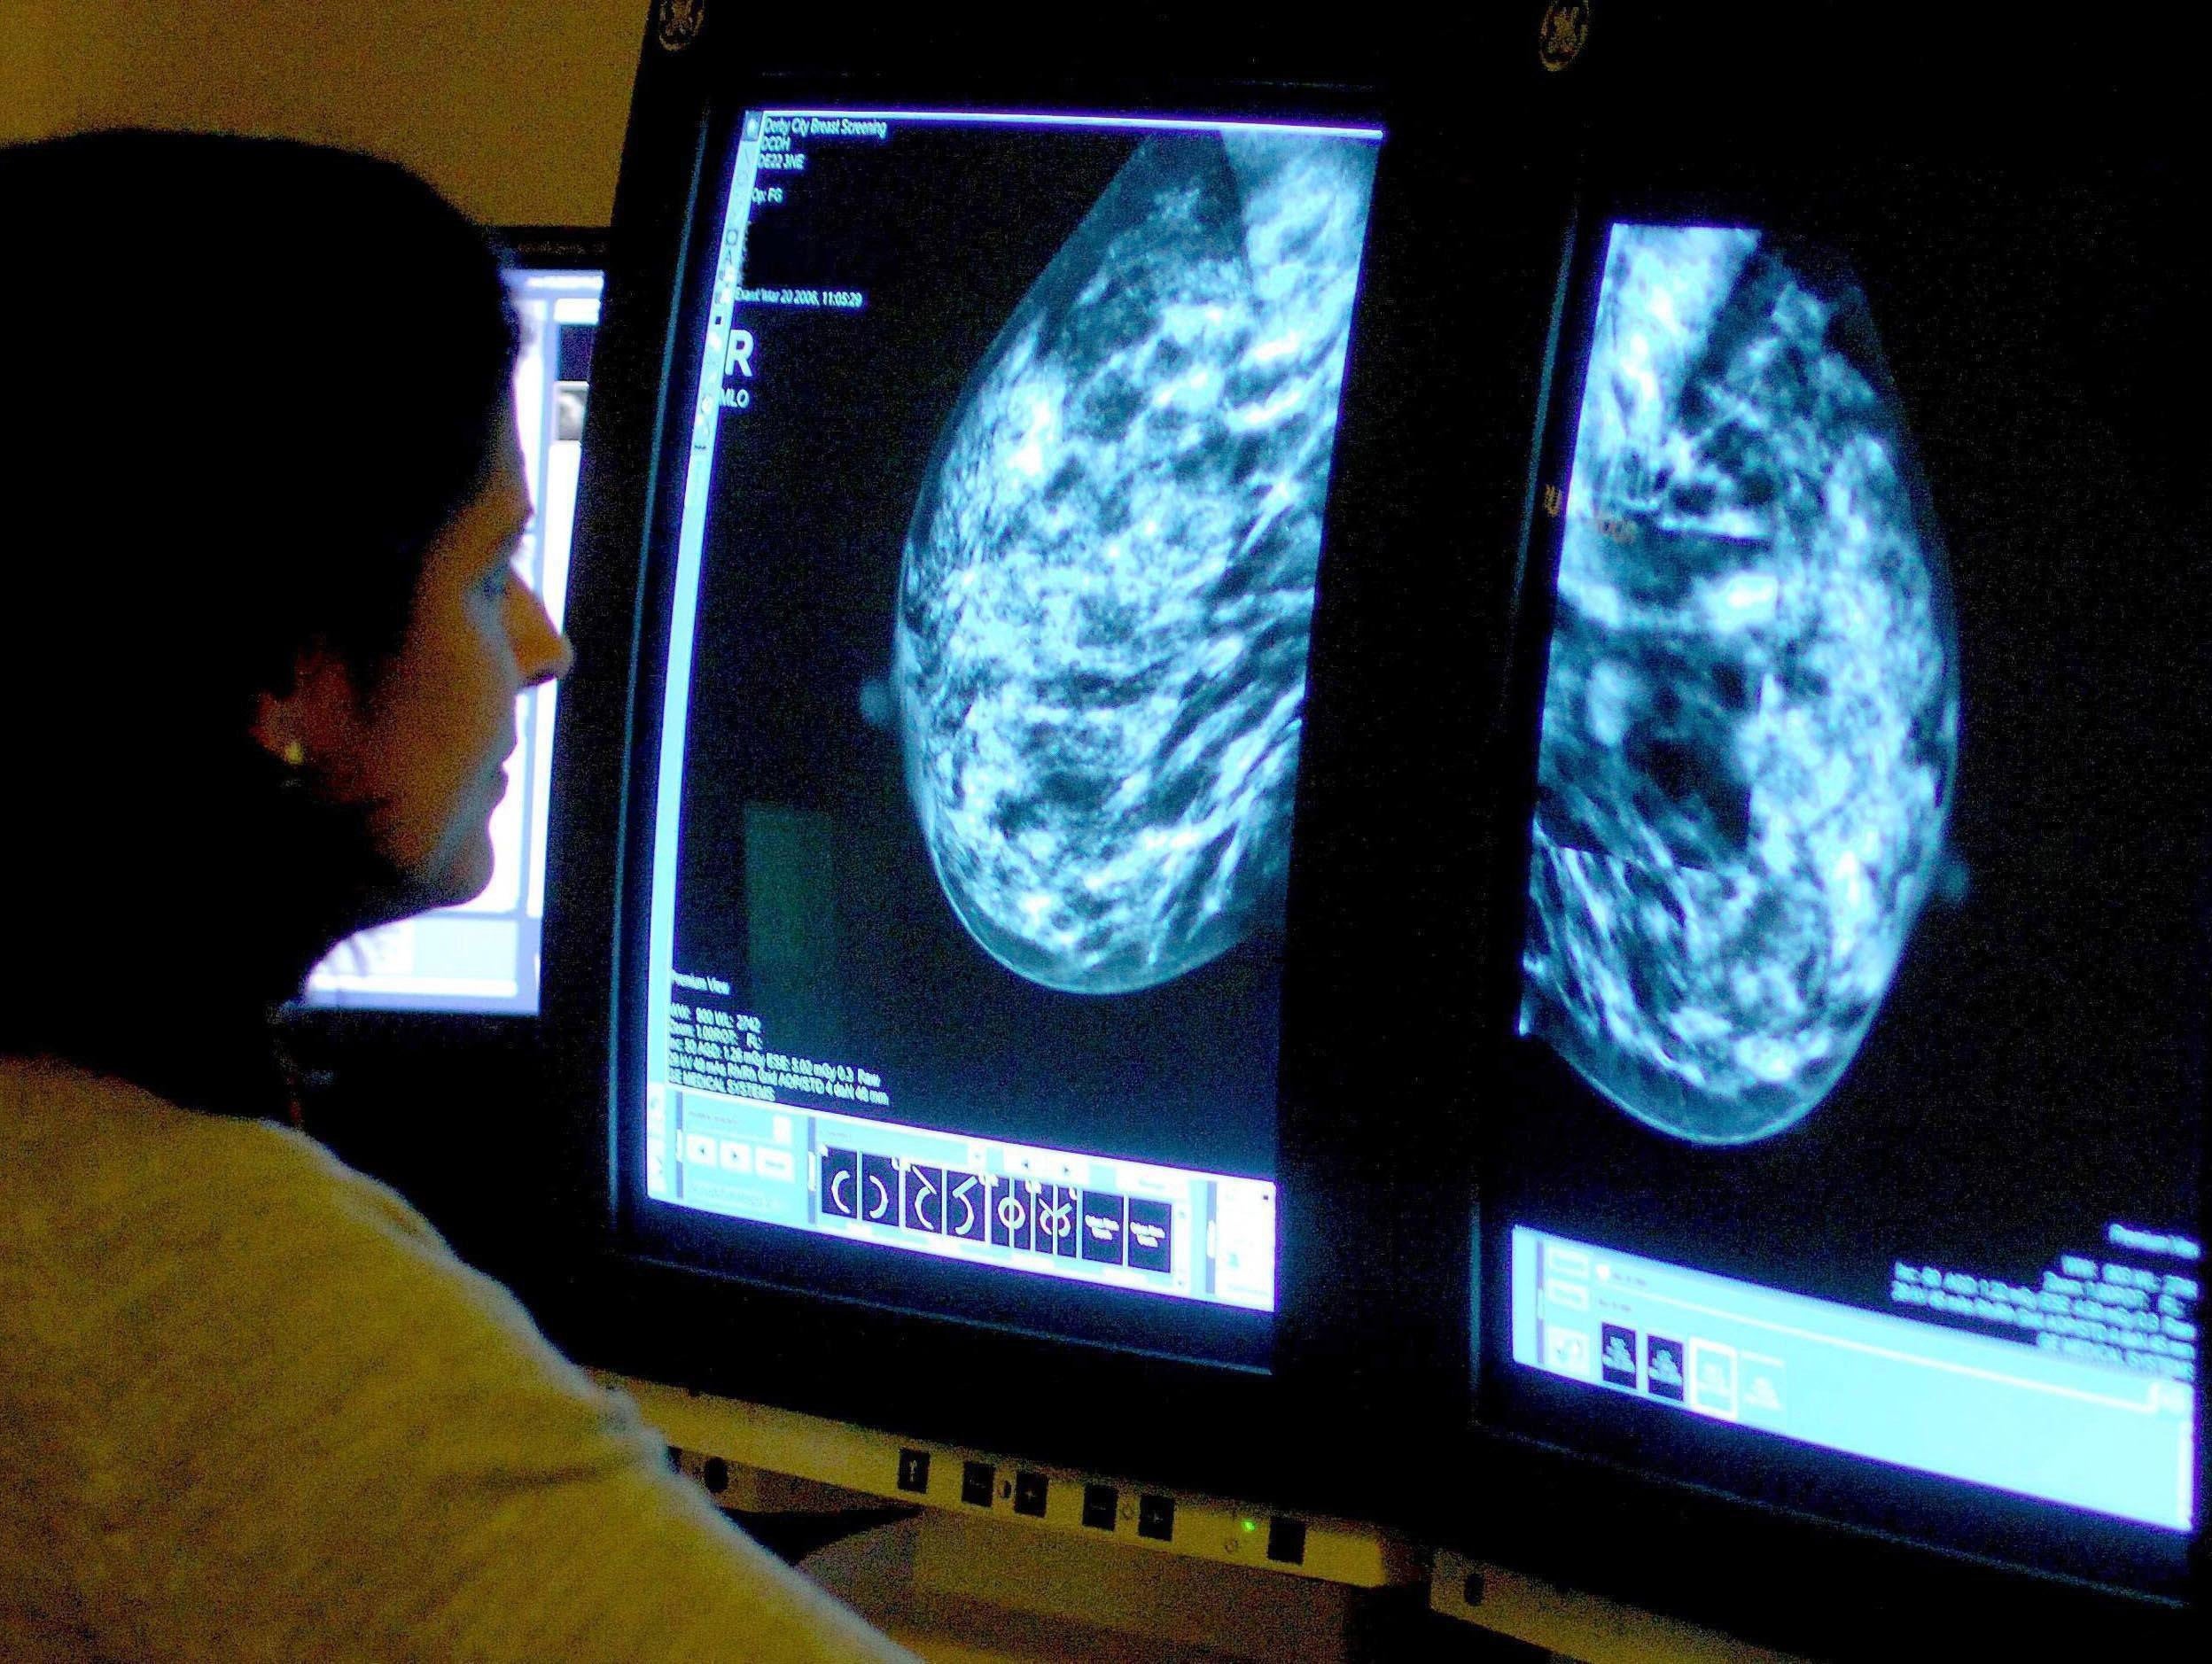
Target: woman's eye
{"x": 497, "y": 582}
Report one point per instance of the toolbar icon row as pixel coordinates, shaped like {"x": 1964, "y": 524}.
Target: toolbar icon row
{"x": 1027, "y": 1215}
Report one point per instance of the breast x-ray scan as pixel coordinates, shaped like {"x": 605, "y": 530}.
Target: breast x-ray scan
{"x": 1107, "y": 589}
{"x": 1751, "y": 716}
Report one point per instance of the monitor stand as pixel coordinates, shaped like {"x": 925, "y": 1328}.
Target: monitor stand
{"x": 969, "y": 1556}
{"x": 976, "y": 1590}
{"x": 1566, "y": 1623}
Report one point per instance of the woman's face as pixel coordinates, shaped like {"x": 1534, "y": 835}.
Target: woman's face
{"x": 423, "y": 750}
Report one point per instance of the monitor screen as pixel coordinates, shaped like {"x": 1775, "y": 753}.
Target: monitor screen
{"x": 482, "y": 955}
{"x": 961, "y": 904}
{"x": 1853, "y": 1149}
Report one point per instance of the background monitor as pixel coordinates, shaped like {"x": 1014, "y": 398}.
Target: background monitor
{"x": 1847, "y": 1153}
{"x": 483, "y": 955}
{"x": 422, "y": 1063}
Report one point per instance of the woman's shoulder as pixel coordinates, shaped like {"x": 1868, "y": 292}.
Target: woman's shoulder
{"x": 147, "y": 1248}
{"x": 108, "y": 1161}
{"x": 269, "y": 1403}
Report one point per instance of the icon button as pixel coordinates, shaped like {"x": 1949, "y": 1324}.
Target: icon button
{"x": 1151, "y": 1235}
{"x": 1102, "y": 1222}
{"x": 1156, "y": 1518}
{"x": 1011, "y": 1224}
{"x": 777, "y": 1164}
{"x": 976, "y": 1480}
{"x": 1617, "y": 1356}
{"x": 1764, "y": 1396}
{"x": 966, "y": 1206}
{"x": 914, "y": 1471}
{"x": 925, "y": 1200}
{"x": 879, "y": 1190}
{"x": 840, "y": 1183}
{"x": 1567, "y": 1352}
{"x": 1712, "y": 1383}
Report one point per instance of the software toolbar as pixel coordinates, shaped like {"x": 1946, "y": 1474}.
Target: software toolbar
{"x": 1059, "y": 1213}
{"x": 2037, "y": 1420}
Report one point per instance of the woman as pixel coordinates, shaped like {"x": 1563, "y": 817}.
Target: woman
{"x": 261, "y": 492}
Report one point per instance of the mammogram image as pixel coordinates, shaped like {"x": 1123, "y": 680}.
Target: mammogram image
{"x": 1751, "y": 710}
{"x": 1107, "y": 589}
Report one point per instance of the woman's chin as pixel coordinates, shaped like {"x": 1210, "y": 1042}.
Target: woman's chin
{"x": 473, "y": 875}
{"x": 456, "y": 875}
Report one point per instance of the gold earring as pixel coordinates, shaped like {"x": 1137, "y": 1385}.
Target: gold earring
{"x": 295, "y": 754}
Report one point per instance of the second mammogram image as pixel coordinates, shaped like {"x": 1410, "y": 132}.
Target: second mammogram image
{"x": 1105, "y": 603}
{"x": 1751, "y": 710}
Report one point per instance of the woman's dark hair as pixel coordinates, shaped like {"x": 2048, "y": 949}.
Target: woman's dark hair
{"x": 245, "y": 383}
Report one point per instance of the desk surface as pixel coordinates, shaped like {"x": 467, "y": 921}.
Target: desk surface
{"x": 974, "y": 1591}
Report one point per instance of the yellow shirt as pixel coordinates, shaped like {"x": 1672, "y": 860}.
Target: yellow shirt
{"x": 252, "y": 1408}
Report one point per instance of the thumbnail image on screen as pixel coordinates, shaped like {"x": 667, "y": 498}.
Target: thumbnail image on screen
{"x": 482, "y": 955}
{"x": 1861, "y": 989}
{"x": 986, "y": 681}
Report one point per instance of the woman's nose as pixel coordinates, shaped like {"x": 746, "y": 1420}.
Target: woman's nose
{"x": 542, "y": 652}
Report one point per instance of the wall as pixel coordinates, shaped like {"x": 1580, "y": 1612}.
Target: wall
{"x": 515, "y": 108}
{"x": 25, "y": 96}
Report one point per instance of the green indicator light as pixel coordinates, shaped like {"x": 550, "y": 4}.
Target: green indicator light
{"x": 1251, "y": 1524}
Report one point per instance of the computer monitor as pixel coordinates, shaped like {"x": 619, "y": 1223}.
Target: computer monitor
{"x": 979, "y": 724}
{"x": 1012, "y": 549}
{"x": 1845, "y": 1157}
{"x": 482, "y": 955}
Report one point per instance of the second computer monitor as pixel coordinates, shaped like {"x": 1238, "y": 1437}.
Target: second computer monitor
{"x": 482, "y": 955}
{"x": 1849, "y": 1153}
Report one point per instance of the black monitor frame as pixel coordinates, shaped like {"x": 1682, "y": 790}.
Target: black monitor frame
{"x": 1399, "y": 670}
{"x": 1786, "y": 1573}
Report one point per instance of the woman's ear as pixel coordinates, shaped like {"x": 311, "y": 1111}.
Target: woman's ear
{"x": 317, "y": 722}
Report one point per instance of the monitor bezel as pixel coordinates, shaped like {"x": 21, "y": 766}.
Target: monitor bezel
{"x": 1777, "y": 1570}
{"x": 1341, "y": 1357}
